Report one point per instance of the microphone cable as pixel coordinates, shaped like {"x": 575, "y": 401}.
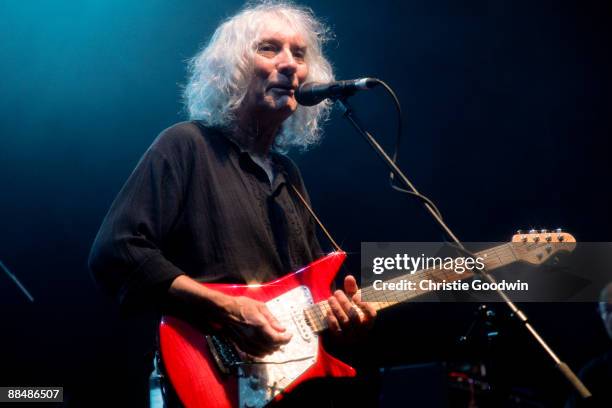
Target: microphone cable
{"x": 395, "y": 157}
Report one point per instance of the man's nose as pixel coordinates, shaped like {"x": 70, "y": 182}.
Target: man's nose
{"x": 287, "y": 64}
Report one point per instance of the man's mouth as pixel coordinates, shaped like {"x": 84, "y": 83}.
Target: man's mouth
{"x": 281, "y": 88}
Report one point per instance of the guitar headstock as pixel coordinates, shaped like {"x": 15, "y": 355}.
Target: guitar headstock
{"x": 538, "y": 246}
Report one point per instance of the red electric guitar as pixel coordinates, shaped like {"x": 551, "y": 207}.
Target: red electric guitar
{"x": 206, "y": 370}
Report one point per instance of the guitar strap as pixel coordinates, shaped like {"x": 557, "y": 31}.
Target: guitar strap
{"x": 314, "y": 216}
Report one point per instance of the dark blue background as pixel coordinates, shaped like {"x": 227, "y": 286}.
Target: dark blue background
{"x": 507, "y": 119}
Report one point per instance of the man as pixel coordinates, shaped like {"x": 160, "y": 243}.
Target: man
{"x": 597, "y": 374}
{"x": 212, "y": 201}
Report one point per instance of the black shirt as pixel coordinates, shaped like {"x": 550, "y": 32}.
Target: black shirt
{"x": 197, "y": 204}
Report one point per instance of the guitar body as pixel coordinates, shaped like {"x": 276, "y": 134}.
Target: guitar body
{"x": 190, "y": 358}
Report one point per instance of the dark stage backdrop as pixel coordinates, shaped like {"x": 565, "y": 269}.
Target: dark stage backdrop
{"x": 507, "y": 115}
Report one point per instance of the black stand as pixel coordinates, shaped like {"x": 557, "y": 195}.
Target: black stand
{"x": 515, "y": 311}
{"x": 19, "y": 285}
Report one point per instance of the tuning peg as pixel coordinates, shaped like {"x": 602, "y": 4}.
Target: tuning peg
{"x": 533, "y": 231}
{"x": 519, "y": 232}
{"x": 543, "y": 231}
{"x": 560, "y": 237}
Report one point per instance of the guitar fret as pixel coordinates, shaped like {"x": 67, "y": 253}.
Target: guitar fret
{"x": 494, "y": 258}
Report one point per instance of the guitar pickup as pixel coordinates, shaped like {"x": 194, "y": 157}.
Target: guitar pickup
{"x": 297, "y": 315}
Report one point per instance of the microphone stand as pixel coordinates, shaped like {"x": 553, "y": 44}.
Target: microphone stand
{"x": 14, "y": 279}
{"x": 349, "y": 114}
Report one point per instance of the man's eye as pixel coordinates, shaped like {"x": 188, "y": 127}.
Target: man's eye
{"x": 299, "y": 55}
{"x": 266, "y": 49}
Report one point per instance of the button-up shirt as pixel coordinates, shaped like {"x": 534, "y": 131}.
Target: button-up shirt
{"x": 198, "y": 204}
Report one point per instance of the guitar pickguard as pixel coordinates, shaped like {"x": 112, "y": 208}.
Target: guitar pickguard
{"x": 261, "y": 379}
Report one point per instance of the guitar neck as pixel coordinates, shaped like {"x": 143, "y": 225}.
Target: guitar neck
{"x": 493, "y": 258}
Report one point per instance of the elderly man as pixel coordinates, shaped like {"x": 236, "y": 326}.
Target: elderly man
{"x": 211, "y": 200}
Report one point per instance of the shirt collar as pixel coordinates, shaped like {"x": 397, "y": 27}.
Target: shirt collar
{"x": 274, "y": 156}
{"x": 277, "y": 158}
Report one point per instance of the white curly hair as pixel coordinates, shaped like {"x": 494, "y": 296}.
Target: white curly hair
{"x": 220, "y": 72}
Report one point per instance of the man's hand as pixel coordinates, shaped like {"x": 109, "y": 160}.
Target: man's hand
{"x": 253, "y": 328}
{"x": 247, "y": 322}
{"x": 349, "y": 316}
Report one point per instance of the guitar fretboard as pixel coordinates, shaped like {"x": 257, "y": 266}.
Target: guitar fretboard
{"x": 494, "y": 258}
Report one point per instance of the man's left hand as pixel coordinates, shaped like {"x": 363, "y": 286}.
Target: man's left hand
{"x": 348, "y": 316}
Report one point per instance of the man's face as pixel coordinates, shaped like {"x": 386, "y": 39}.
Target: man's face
{"x": 279, "y": 68}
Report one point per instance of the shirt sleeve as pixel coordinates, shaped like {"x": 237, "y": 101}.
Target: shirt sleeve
{"x": 127, "y": 257}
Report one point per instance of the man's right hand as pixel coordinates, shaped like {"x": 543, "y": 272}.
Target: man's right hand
{"x": 252, "y": 327}
{"x": 247, "y": 322}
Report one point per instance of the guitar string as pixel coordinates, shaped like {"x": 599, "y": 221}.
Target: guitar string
{"x": 319, "y": 307}
{"x": 432, "y": 272}
{"x": 323, "y": 305}
{"x": 415, "y": 276}
{"x": 501, "y": 251}
{"x": 504, "y": 254}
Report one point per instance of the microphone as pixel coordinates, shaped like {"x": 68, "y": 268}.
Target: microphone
{"x": 312, "y": 93}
